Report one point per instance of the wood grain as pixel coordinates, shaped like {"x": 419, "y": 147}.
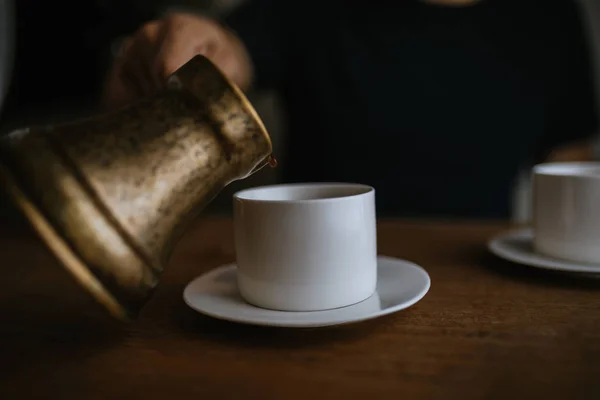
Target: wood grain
{"x": 488, "y": 329}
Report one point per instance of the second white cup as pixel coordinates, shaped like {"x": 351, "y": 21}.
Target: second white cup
{"x": 566, "y": 211}
{"x": 306, "y": 247}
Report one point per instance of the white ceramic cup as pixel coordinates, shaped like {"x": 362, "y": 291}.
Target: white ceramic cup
{"x": 566, "y": 211}
{"x": 306, "y": 247}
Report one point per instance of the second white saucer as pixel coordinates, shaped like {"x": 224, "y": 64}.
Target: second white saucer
{"x": 517, "y": 246}
{"x": 400, "y": 284}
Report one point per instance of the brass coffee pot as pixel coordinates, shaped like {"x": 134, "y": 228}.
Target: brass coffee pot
{"x": 112, "y": 194}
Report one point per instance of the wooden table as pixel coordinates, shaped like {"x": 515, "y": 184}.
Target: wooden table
{"x": 487, "y": 329}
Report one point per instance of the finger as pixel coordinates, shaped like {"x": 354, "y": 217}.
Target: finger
{"x": 126, "y": 72}
{"x": 140, "y": 56}
{"x": 116, "y": 91}
{"x": 151, "y": 38}
{"x": 179, "y": 45}
{"x": 231, "y": 63}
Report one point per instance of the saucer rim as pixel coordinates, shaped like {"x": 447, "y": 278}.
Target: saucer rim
{"x": 497, "y": 246}
{"x": 293, "y": 325}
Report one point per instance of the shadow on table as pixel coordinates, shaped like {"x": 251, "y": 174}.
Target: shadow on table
{"x": 41, "y": 341}
{"x": 195, "y": 325}
{"x": 48, "y": 322}
{"x": 533, "y": 275}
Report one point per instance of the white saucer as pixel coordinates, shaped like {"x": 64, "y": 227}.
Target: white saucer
{"x": 517, "y": 246}
{"x": 400, "y": 285}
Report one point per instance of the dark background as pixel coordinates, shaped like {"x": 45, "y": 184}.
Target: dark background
{"x": 63, "y": 51}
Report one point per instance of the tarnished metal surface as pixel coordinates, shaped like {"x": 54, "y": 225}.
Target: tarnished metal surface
{"x": 112, "y": 194}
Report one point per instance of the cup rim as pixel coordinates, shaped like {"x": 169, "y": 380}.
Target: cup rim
{"x": 362, "y": 190}
{"x": 572, "y": 169}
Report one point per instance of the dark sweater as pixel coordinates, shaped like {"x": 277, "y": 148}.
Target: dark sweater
{"x": 436, "y": 107}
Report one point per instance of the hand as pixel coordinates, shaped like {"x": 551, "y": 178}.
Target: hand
{"x": 579, "y": 151}
{"x": 146, "y": 59}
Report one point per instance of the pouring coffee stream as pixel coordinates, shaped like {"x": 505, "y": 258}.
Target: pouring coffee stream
{"x": 111, "y": 195}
